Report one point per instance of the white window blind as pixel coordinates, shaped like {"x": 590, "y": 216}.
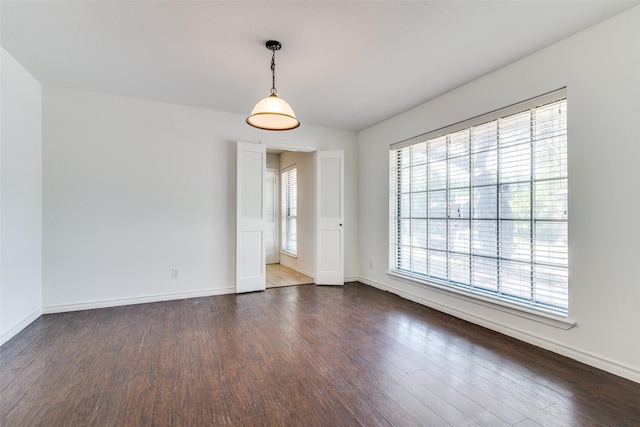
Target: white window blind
{"x": 289, "y": 210}
{"x": 481, "y": 206}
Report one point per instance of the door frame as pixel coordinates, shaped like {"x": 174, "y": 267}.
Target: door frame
{"x": 315, "y": 209}
{"x": 277, "y": 209}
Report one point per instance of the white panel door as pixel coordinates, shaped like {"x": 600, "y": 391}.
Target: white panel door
{"x": 250, "y": 249}
{"x": 329, "y": 218}
{"x": 271, "y": 190}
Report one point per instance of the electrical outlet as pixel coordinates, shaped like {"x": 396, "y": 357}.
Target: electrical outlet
{"x": 370, "y": 265}
{"x": 175, "y": 273}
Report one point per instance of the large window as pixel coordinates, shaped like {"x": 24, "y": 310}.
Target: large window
{"x": 481, "y": 206}
{"x": 289, "y": 198}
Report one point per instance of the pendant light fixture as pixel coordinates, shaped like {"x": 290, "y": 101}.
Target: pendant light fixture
{"x": 273, "y": 112}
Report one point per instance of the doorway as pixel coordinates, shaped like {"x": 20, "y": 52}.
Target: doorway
{"x": 319, "y": 215}
{"x": 289, "y": 218}
{"x": 278, "y": 275}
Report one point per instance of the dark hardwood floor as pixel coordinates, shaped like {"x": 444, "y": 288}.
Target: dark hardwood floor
{"x": 294, "y": 356}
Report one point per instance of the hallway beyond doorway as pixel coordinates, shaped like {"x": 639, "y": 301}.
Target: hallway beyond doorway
{"x": 279, "y": 276}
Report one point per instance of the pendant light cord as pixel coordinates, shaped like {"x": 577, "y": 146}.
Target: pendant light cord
{"x": 273, "y": 72}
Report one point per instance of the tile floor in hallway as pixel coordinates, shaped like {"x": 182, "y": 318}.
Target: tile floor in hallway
{"x": 278, "y": 276}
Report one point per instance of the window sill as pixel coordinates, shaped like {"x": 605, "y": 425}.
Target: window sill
{"x": 289, "y": 254}
{"x": 550, "y": 319}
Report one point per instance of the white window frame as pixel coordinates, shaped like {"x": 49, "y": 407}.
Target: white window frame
{"x": 289, "y": 212}
{"x": 417, "y": 250}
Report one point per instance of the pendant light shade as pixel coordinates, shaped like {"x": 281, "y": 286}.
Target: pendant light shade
{"x": 273, "y": 112}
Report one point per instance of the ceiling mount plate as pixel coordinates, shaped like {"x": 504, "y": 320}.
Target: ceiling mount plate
{"x": 273, "y": 45}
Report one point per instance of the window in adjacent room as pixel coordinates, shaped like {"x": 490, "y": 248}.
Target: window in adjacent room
{"x": 289, "y": 197}
{"x": 481, "y": 207}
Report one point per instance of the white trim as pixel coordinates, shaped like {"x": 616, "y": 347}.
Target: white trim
{"x": 494, "y": 303}
{"x": 288, "y": 147}
{"x": 519, "y": 107}
{"x": 588, "y": 358}
{"x": 285, "y": 201}
{"x": 20, "y": 326}
{"x": 115, "y": 302}
{"x": 276, "y": 206}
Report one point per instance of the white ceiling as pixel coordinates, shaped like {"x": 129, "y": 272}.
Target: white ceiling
{"x": 345, "y": 65}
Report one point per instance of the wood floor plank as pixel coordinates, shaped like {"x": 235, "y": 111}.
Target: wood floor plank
{"x": 291, "y": 356}
{"x": 476, "y": 406}
{"x": 495, "y": 403}
{"x": 371, "y": 407}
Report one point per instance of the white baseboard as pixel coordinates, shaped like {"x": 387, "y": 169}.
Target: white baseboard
{"x": 374, "y": 284}
{"x": 88, "y": 305}
{"x": 20, "y": 326}
{"x": 591, "y": 359}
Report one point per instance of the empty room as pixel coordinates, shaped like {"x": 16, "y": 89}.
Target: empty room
{"x": 310, "y": 213}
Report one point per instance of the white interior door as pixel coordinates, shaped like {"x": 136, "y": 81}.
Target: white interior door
{"x": 271, "y": 191}
{"x": 250, "y": 242}
{"x": 329, "y": 218}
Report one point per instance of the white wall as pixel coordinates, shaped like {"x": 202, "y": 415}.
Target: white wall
{"x": 304, "y": 262}
{"x": 133, "y": 188}
{"x": 21, "y": 198}
{"x": 273, "y": 161}
{"x": 601, "y": 69}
